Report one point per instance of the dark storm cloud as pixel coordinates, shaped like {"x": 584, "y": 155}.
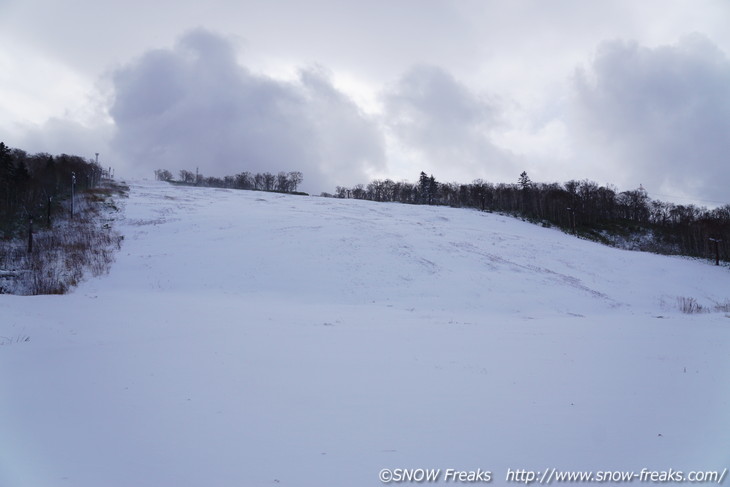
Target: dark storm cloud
{"x": 195, "y": 106}
{"x": 449, "y": 125}
{"x": 659, "y": 116}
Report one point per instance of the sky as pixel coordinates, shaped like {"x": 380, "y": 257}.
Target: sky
{"x": 621, "y": 92}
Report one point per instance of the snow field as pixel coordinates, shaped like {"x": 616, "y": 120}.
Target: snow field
{"x": 247, "y": 338}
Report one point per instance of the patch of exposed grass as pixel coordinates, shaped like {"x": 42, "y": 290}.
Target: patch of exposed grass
{"x": 689, "y": 305}
{"x": 65, "y": 253}
{"x": 16, "y": 339}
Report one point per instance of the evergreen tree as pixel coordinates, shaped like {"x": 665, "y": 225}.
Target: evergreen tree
{"x": 432, "y": 189}
{"x": 6, "y": 165}
{"x": 427, "y": 189}
{"x": 524, "y": 180}
{"x": 6, "y": 175}
{"x": 423, "y": 184}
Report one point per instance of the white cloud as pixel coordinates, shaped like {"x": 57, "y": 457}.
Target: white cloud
{"x": 446, "y": 126}
{"x": 657, "y": 116}
{"x": 194, "y": 106}
{"x": 34, "y": 88}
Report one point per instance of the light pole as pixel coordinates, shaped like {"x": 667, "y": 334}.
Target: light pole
{"x": 48, "y": 212}
{"x": 30, "y": 234}
{"x": 73, "y": 184}
{"x": 716, "y": 241}
{"x": 571, "y": 219}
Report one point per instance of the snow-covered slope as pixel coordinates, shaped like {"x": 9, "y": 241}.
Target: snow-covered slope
{"x": 246, "y": 339}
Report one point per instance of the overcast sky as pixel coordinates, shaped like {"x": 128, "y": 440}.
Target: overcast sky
{"x": 623, "y": 92}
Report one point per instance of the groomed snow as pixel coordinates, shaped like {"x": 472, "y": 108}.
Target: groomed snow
{"x": 252, "y": 339}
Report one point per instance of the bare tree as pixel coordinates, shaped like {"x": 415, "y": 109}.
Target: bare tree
{"x": 269, "y": 180}
{"x": 295, "y": 179}
{"x": 258, "y": 181}
{"x": 187, "y": 176}
{"x": 282, "y": 182}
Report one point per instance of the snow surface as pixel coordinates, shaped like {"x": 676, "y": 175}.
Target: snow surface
{"x": 247, "y": 338}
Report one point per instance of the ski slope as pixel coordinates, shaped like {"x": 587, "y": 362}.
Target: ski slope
{"x": 254, "y": 339}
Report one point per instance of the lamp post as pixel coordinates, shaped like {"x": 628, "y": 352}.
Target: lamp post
{"x": 48, "y": 211}
{"x": 571, "y": 219}
{"x": 73, "y": 184}
{"x": 30, "y": 234}
{"x": 716, "y": 241}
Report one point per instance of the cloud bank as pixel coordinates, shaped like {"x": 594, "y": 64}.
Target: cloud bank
{"x": 195, "y": 106}
{"x": 657, "y": 116}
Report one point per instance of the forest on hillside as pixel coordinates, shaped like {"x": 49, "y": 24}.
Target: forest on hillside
{"x": 622, "y": 218}
{"x": 56, "y": 221}
{"x": 37, "y": 186}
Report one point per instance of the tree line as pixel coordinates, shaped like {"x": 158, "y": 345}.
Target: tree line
{"x": 36, "y": 185}
{"x": 582, "y": 207}
{"x": 283, "y": 182}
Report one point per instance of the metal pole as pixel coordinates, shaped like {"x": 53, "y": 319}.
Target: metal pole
{"x": 73, "y": 184}
{"x": 96, "y": 167}
{"x": 30, "y": 234}
{"x": 571, "y": 219}
{"x": 717, "y": 252}
{"x": 716, "y": 241}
